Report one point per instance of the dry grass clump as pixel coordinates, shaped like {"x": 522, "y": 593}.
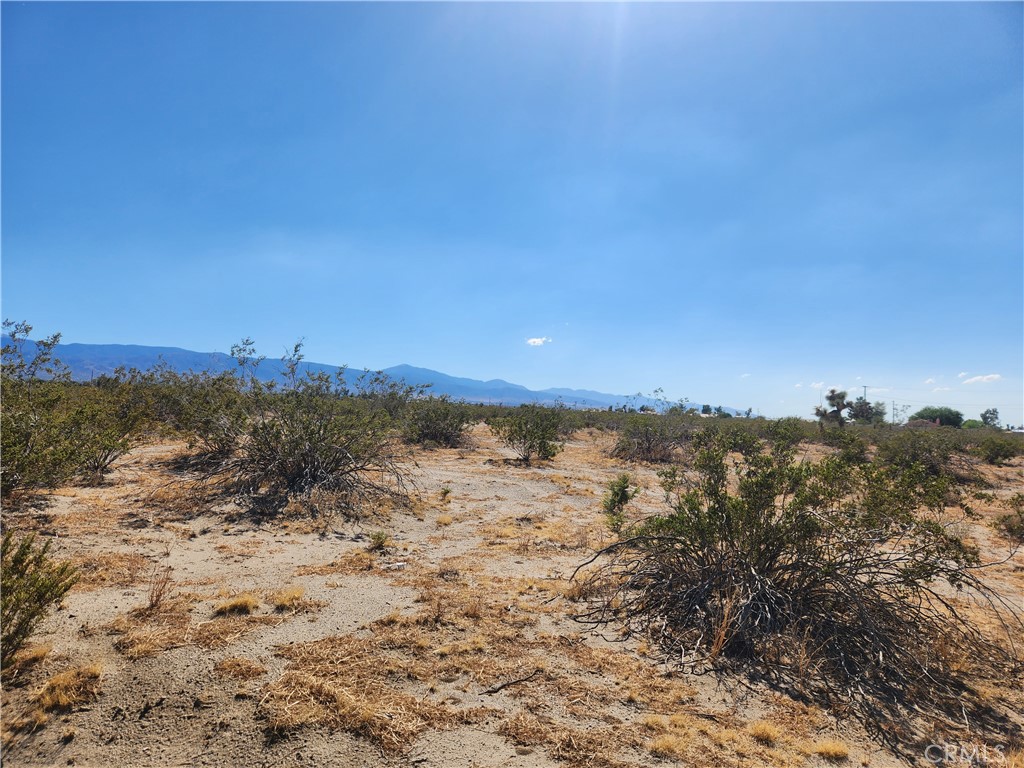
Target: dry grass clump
{"x": 61, "y": 693}
{"x": 24, "y": 660}
{"x": 444, "y": 520}
{"x": 286, "y": 598}
{"x": 223, "y": 631}
{"x": 344, "y": 683}
{"x": 764, "y": 732}
{"x": 356, "y": 562}
{"x": 69, "y": 689}
{"x": 831, "y": 750}
{"x": 145, "y": 631}
{"x": 243, "y": 604}
{"x": 669, "y": 745}
{"x": 589, "y": 746}
{"x": 239, "y": 668}
{"x": 109, "y": 569}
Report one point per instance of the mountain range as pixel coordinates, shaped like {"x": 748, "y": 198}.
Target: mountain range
{"x": 87, "y": 361}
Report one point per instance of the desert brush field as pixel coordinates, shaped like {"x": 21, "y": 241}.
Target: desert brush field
{"x": 435, "y": 629}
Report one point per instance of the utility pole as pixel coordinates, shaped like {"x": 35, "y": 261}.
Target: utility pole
{"x": 865, "y": 392}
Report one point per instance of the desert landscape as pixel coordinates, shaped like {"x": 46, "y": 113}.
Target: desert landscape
{"x": 435, "y": 632}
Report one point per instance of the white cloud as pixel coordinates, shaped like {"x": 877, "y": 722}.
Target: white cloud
{"x": 929, "y": 381}
{"x": 961, "y": 374}
{"x": 539, "y": 341}
{"x": 983, "y": 379}
{"x": 940, "y": 389}
{"x": 744, "y": 375}
{"x": 798, "y": 385}
{"x": 817, "y": 384}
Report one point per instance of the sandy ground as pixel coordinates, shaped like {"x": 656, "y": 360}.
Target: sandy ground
{"x": 453, "y": 645}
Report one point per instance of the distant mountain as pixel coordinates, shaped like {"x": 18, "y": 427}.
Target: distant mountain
{"x": 87, "y": 361}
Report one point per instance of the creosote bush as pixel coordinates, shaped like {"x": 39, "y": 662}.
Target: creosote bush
{"x": 30, "y": 584}
{"x": 436, "y": 422}
{"x": 828, "y": 579}
{"x": 615, "y": 501}
{"x": 530, "y": 430}
{"x": 311, "y": 434}
{"x": 647, "y": 437}
{"x": 55, "y": 430}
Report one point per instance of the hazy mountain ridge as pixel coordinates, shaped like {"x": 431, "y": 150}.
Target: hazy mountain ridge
{"x": 87, "y": 361}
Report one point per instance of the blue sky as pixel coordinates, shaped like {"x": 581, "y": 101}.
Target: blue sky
{"x": 738, "y": 203}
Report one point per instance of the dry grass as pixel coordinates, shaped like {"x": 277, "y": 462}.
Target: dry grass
{"x": 355, "y": 562}
{"x": 832, "y": 750}
{"x": 286, "y": 598}
{"x": 25, "y": 660}
{"x": 109, "y": 569}
{"x": 144, "y": 632}
{"x": 444, "y": 520}
{"x": 669, "y": 746}
{"x": 764, "y": 732}
{"x": 243, "y": 604}
{"x": 239, "y": 668}
{"x": 70, "y": 689}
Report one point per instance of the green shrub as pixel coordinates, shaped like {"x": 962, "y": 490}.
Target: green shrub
{"x": 1012, "y": 523}
{"x": 997, "y": 449}
{"x": 615, "y": 501}
{"x": 821, "y": 578}
{"x": 936, "y": 451}
{"x": 30, "y": 583}
{"x": 313, "y": 433}
{"x": 530, "y": 430}
{"x": 647, "y": 437}
{"x": 436, "y": 421}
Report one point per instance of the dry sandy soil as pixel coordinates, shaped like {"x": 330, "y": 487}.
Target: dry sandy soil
{"x": 200, "y": 634}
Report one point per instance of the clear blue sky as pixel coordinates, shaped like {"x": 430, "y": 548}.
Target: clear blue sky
{"x": 738, "y": 203}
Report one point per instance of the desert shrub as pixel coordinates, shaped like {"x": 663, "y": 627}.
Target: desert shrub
{"x": 826, "y": 579}
{"x": 209, "y": 410}
{"x": 647, "y": 437}
{"x": 936, "y": 451}
{"x": 851, "y": 447}
{"x": 997, "y": 448}
{"x": 313, "y": 433}
{"x": 31, "y": 582}
{"x": 615, "y": 501}
{"x": 38, "y": 430}
{"x": 1012, "y": 523}
{"x": 107, "y": 417}
{"x": 436, "y": 421}
{"x": 530, "y": 430}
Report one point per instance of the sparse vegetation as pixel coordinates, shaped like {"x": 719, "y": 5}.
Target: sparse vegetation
{"x": 243, "y": 604}
{"x": 823, "y": 577}
{"x": 436, "y": 422}
{"x": 615, "y": 501}
{"x": 648, "y": 437}
{"x": 530, "y": 430}
{"x": 32, "y": 583}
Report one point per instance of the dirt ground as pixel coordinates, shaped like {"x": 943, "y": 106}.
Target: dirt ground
{"x": 435, "y": 635}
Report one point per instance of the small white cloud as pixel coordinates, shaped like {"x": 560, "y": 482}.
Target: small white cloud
{"x": 983, "y": 379}
{"x": 817, "y": 385}
{"x": 940, "y": 389}
{"x": 859, "y": 378}
{"x": 539, "y": 341}
{"x": 798, "y": 385}
{"x": 961, "y": 374}
{"x": 929, "y": 381}
{"x": 744, "y": 375}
